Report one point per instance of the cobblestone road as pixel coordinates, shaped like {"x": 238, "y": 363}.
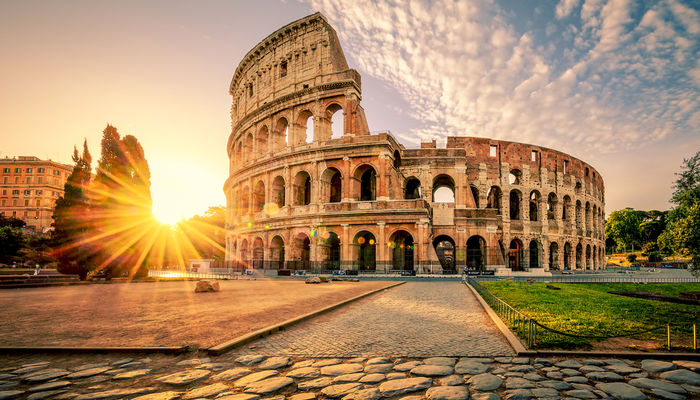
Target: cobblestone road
{"x": 417, "y": 319}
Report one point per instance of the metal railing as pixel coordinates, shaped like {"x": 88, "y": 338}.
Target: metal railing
{"x": 592, "y": 279}
{"x": 534, "y": 333}
{"x": 162, "y": 273}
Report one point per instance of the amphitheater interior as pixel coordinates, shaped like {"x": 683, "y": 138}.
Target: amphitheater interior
{"x": 311, "y": 188}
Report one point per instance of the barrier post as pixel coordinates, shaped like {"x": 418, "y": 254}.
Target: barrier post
{"x": 668, "y": 336}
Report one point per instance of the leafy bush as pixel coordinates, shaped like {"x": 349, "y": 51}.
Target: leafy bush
{"x": 631, "y": 258}
{"x": 649, "y": 248}
{"x": 654, "y": 256}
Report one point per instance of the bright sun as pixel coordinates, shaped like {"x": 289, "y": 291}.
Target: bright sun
{"x": 169, "y": 214}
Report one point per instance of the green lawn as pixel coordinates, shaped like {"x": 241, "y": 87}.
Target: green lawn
{"x": 589, "y": 310}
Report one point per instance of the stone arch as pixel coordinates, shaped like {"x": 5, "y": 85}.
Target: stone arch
{"x": 412, "y": 188}
{"x": 280, "y": 137}
{"x": 329, "y": 247}
{"x": 515, "y": 177}
{"x": 588, "y": 256}
{"x": 566, "y": 208}
{"x": 277, "y": 252}
{"x": 301, "y": 251}
{"x": 551, "y": 205}
{"x": 277, "y": 191}
{"x": 579, "y": 214}
{"x": 336, "y": 118}
{"x": 515, "y": 201}
{"x": 535, "y": 254}
{"x": 401, "y": 245}
{"x": 331, "y": 185}
{"x": 366, "y": 245}
{"x": 397, "y": 159}
{"x": 244, "y": 253}
{"x": 258, "y": 254}
{"x": 553, "y": 255}
{"x": 443, "y": 189}
{"x": 305, "y": 122}
{"x": 534, "y": 205}
{"x": 493, "y": 200}
{"x": 365, "y": 178}
{"x": 594, "y": 258}
{"x": 261, "y": 141}
{"x": 587, "y": 218}
{"x": 476, "y": 252}
{"x": 302, "y": 188}
{"x": 567, "y": 256}
{"x": 248, "y": 149}
{"x": 259, "y": 196}
{"x": 475, "y": 194}
{"x": 515, "y": 255}
{"x": 579, "y": 256}
{"x": 444, "y": 247}
{"x": 245, "y": 201}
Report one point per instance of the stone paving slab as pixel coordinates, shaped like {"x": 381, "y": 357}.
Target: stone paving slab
{"x": 418, "y": 319}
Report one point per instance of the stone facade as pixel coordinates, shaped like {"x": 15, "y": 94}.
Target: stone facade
{"x": 304, "y": 194}
{"x": 29, "y": 189}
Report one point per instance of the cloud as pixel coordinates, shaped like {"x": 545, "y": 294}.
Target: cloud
{"x": 618, "y": 79}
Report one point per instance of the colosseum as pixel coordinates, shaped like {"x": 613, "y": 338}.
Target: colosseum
{"x": 311, "y": 188}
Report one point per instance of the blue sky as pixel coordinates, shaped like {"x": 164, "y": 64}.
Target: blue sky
{"x": 613, "y": 82}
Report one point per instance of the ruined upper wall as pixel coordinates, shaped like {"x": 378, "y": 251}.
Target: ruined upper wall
{"x": 298, "y": 56}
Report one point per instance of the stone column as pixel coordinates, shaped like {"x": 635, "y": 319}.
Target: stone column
{"x": 313, "y": 247}
{"x": 382, "y": 178}
{"x": 420, "y": 242}
{"x": 345, "y": 240}
{"x": 289, "y": 187}
{"x": 381, "y": 247}
{"x": 347, "y": 179}
{"x": 460, "y": 178}
{"x": 545, "y": 256}
{"x": 461, "y": 249}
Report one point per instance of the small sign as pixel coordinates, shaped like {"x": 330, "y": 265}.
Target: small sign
{"x": 491, "y": 229}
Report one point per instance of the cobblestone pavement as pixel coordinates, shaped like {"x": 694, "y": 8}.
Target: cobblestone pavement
{"x": 253, "y": 377}
{"x": 416, "y": 319}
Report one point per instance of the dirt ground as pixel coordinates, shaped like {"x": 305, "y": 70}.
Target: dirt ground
{"x": 159, "y": 313}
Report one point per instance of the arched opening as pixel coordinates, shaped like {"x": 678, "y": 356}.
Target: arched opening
{"x": 366, "y": 177}
{"x": 366, "y": 251}
{"x": 401, "y": 245}
{"x": 534, "y": 205}
{"x": 258, "y": 254}
{"x": 277, "y": 191}
{"x": 587, "y": 218}
{"x": 443, "y": 189}
{"x": 551, "y": 205}
{"x": 566, "y": 208}
{"x": 397, "y": 159}
{"x": 475, "y": 195}
{"x": 515, "y": 204}
{"x": 336, "y": 116}
{"x": 302, "y": 188}
{"x": 259, "y": 197}
{"x": 515, "y": 177}
{"x": 412, "y": 189}
{"x": 306, "y": 127}
{"x": 493, "y": 200}
{"x": 330, "y": 249}
{"x": 588, "y": 256}
{"x": 476, "y": 252}
{"x": 281, "y": 134}
{"x": 579, "y": 256}
{"x": 331, "y": 185}
{"x": 245, "y": 201}
{"x": 567, "y": 256}
{"x": 534, "y": 254}
{"x": 579, "y": 212}
{"x": 244, "y": 253}
{"x": 594, "y": 258}
{"x": 277, "y": 253}
{"x": 515, "y": 255}
{"x": 261, "y": 141}
{"x": 577, "y": 188}
{"x": 301, "y": 252}
{"x": 445, "y": 250}
{"x": 553, "y": 255}
{"x": 248, "y": 150}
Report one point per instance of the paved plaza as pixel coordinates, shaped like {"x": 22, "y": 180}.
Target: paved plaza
{"x": 416, "y": 319}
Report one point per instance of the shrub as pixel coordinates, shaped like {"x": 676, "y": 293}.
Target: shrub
{"x": 654, "y": 256}
{"x": 631, "y": 258}
{"x": 648, "y": 248}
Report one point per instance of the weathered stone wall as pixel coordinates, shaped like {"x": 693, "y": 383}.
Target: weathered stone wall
{"x": 309, "y": 199}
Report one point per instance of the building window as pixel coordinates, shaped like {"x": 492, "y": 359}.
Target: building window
{"x": 29, "y": 170}
{"x": 566, "y": 164}
{"x": 14, "y": 202}
{"x": 29, "y": 179}
{"x": 38, "y": 203}
{"x": 27, "y": 192}
{"x": 55, "y": 194}
{"x": 26, "y": 202}
{"x": 4, "y": 192}
{"x": 493, "y": 149}
{"x": 26, "y": 214}
{"x": 14, "y": 213}
{"x": 18, "y": 170}
{"x": 56, "y": 172}
{"x": 6, "y": 170}
{"x": 534, "y": 155}
{"x": 15, "y": 192}
{"x": 4, "y": 201}
{"x": 41, "y": 179}
{"x": 38, "y": 192}
{"x": 41, "y": 170}
{"x": 283, "y": 68}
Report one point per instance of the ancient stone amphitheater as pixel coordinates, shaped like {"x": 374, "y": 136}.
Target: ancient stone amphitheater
{"x": 310, "y": 187}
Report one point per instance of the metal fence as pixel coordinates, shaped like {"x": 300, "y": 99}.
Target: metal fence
{"x": 592, "y": 279}
{"x": 534, "y": 333}
{"x": 163, "y": 273}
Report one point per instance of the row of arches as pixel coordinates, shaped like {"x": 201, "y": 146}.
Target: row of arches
{"x": 304, "y": 128}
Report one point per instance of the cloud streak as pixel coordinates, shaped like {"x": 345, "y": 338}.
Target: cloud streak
{"x": 603, "y": 75}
